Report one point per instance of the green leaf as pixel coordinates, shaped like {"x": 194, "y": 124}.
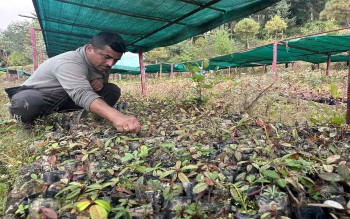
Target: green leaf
{"x": 98, "y": 212}
{"x": 71, "y": 187}
{"x": 93, "y": 150}
{"x": 73, "y": 194}
{"x": 144, "y": 151}
{"x": 271, "y": 174}
{"x": 344, "y": 172}
{"x": 168, "y": 145}
{"x": 207, "y": 86}
{"x": 235, "y": 195}
{"x": 282, "y": 182}
{"x": 85, "y": 157}
{"x": 108, "y": 142}
{"x": 48, "y": 128}
{"x": 200, "y": 187}
{"x": 183, "y": 178}
{"x": 189, "y": 167}
{"x": 166, "y": 173}
{"x": 34, "y": 176}
{"x": 104, "y": 204}
{"x": 250, "y": 178}
{"x": 81, "y": 206}
{"x": 127, "y": 157}
{"x": 178, "y": 165}
{"x": 334, "y": 91}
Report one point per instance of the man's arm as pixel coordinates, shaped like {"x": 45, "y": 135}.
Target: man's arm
{"x": 120, "y": 121}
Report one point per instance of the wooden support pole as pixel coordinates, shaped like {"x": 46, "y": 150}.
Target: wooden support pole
{"x": 348, "y": 94}
{"x": 229, "y": 71}
{"x": 172, "y": 71}
{"x": 33, "y": 42}
{"x": 328, "y": 71}
{"x": 160, "y": 70}
{"x": 274, "y": 61}
{"x": 142, "y": 70}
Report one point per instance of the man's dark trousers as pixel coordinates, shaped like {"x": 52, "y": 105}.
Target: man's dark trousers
{"x": 28, "y": 104}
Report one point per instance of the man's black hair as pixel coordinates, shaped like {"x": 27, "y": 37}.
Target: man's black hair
{"x": 113, "y": 40}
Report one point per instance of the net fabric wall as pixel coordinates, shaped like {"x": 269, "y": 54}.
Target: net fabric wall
{"x": 314, "y": 49}
{"x": 68, "y": 24}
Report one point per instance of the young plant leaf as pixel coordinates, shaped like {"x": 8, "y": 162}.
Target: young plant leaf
{"x": 282, "y": 182}
{"x": 104, "y": 204}
{"x": 183, "y": 178}
{"x": 189, "y": 167}
{"x": 270, "y": 173}
{"x": 200, "y": 187}
{"x": 98, "y": 212}
{"x": 82, "y": 205}
{"x": 127, "y": 157}
{"x": 166, "y": 173}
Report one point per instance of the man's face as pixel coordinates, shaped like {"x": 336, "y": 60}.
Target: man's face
{"x": 102, "y": 59}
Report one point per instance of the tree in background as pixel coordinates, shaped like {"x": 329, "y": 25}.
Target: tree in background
{"x": 276, "y": 25}
{"x": 318, "y": 27}
{"x": 306, "y": 10}
{"x": 156, "y": 55}
{"x": 246, "y": 29}
{"x": 16, "y": 37}
{"x": 338, "y": 10}
{"x": 282, "y": 9}
{"x": 222, "y": 44}
{"x": 18, "y": 59}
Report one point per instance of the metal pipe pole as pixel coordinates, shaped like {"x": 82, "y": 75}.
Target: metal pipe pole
{"x": 274, "y": 61}
{"x": 172, "y": 71}
{"x": 160, "y": 70}
{"x": 142, "y": 70}
{"x": 33, "y": 42}
{"x": 348, "y": 94}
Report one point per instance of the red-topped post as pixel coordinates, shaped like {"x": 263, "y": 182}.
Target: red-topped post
{"x": 172, "y": 71}
{"x": 142, "y": 70}
{"x": 348, "y": 94}
{"x": 274, "y": 61}
{"x": 33, "y": 42}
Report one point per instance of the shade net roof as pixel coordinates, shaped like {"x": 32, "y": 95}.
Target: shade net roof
{"x": 314, "y": 49}
{"x": 69, "y": 24}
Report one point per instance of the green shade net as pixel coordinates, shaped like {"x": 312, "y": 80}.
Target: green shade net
{"x": 15, "y": 71}
{"x": 314, "y": 49}
{"x": 69, "y": 24}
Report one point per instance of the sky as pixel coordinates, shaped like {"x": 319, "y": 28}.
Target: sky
{"x": 10, "y": 9}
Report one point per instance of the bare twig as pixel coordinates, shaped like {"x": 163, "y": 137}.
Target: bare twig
{"x": 258, "y": 97}
{"x": 292, "y": 196}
